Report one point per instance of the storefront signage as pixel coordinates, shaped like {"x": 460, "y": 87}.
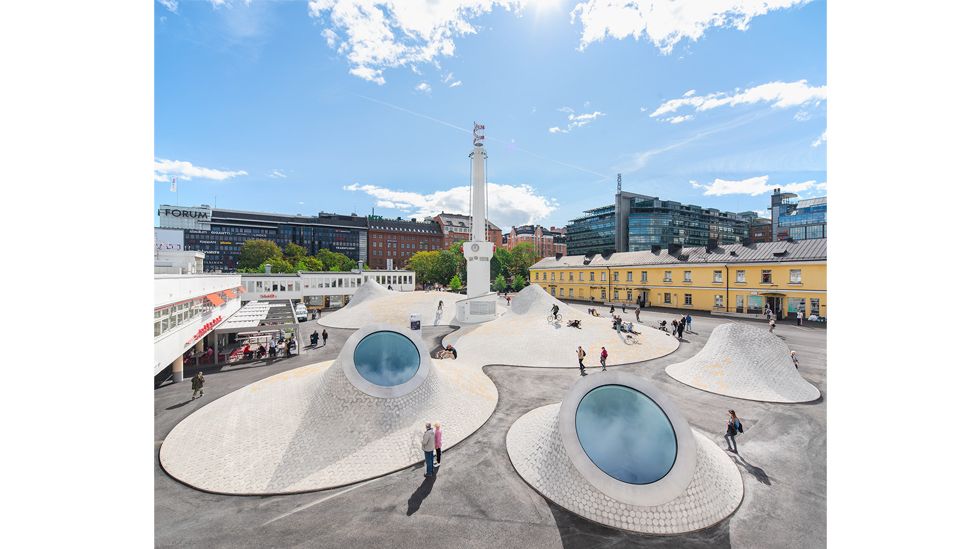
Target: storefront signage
{"x": 267, "y": 296}
{"x": 192, "y": 214}
{"x": 180, "y": 217}
{"x": 205, "y": 328}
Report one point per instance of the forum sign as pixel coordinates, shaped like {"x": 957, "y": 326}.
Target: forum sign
{"x": 184, "y": 217}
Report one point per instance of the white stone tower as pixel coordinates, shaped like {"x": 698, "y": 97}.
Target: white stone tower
{"x": 478, "y": 251}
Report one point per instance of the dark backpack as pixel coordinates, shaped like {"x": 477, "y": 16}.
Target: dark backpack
{"x": 738, "y": 425}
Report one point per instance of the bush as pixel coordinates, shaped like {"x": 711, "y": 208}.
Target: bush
{"x": 455, "y": 283}
{"x": 518, "y": 283}
{"x": 499, "y": 284}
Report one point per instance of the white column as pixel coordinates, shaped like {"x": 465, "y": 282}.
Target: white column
{"x": 178, "y": 369}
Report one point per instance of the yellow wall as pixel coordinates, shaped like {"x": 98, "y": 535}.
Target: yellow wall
{"x": 702, "y": 288}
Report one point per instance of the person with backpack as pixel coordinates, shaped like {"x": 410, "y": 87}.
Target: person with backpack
{"x": 772, "y": 324}
{"x": 681, "y": 328}
{"x": 688, "y": 323}
{"x": 795, "y": 361}
{"x": 580, "y": 353}
{"x": 603, "y": 358}
{"x": 197, "y": 385}
{"x": 732, "y": 428}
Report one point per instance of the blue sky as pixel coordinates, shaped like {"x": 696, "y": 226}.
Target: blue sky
{"x": 342, "y": 106}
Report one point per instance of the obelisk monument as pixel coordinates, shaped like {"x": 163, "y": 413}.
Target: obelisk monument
{"x": 478, "y": 251}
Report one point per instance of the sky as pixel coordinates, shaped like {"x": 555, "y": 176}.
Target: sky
{"x": 358, "y": 106}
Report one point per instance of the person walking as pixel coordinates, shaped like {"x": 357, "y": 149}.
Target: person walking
{"x": 799, "y": 318}
{"x": 637, "y": 313}
{"x": 273, "y": 348}
{"x": 580, "y": 353}
{"x": 681, "y": 328}
{"x": 508, "y": 298}
{"x": 611, "y": 309}
{"x": 623, "y": 308}
{"x": 428, "y": 446}
{"x": 796, "y": 362}
{"x": 325, "y": 337}
{"x": 688, "y": 323}
{"x": 197, "y": 385}
{"x": 772, "y": 324}
{"x": 732, "y": 428}
{"x": 603, "y": 358}
{"x": 438, "y": 436}
{"x": 674, "y": 327}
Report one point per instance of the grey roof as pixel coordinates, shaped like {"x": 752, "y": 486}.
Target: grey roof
{"x": 764, "y": 252}
{"x": 404, "y": 225}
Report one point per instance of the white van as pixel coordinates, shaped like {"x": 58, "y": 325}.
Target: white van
{"x": 301, "y": 312}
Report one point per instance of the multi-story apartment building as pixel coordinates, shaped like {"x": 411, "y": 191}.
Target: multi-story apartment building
{"x": 457, "y": 228}
{"x": 790, "y": 277}
{"x": 545, "y": 242}
{"x": 393, "y": 241}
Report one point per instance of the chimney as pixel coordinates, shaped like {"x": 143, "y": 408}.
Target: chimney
{"x": 267, "y": 268}
{"x": 655, "y": 249}
{"x": 559, "y": 256}
{"x": 747, "y": 241}
{"x": 712, "y": 245}
{"x": 673, "y": 249}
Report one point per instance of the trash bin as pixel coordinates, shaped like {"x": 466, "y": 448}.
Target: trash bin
{"x": 414, "y": 321}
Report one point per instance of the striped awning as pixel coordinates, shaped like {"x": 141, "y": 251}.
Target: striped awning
{"x": 215, "y": 299}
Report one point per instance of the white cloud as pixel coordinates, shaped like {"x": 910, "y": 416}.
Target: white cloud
{"x": 779, "y": 94}
{"x": 277, "y": 174}
{"x": 666, "y": 22}
{"x": 508, "y": 205}
{"x": 753, "y": 186}
{"x": 375, "y": 35}
{"x": 423, "y": 87}
{"x": 801, "y": 116}
{"x": 689, "y": 93}
{"x": 171, "y": 5}
{"x": 643, "y": 109}
{"x": 820, "y": 140}
{"x": 679, "y": 119}
{"x": 454, "y": 84}
{"x": 576, "y": 120}
{"x": 164, "y": 170}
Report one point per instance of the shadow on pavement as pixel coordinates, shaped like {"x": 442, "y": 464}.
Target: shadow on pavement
{"x": 180, "y": 405}
{"x": 756, "y": 472}
{"x": 421, "y": 493}
{"x": 581, "y": 533}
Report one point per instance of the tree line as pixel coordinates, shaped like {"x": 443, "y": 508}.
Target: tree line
{"x": 509, "y": 268}
{"x": 255, "y": 254}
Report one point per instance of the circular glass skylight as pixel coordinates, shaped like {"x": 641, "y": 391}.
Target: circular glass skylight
{"x": 626, "y": 434}
{"x": 386, "y": 358}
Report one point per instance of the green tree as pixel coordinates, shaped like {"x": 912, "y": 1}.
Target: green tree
{"x": 294, "y": 252}
{"x": 459, "y": 264}
{"x": 280, "y": 265}
{"x": 499, "y": 284}
{"x": 334, "y": 261}
{"x": 500, "y": 262}
{"x": 255, "y": 253}
{"x": 456, "y": 283}
{"x": 523, "y": 257}
{"x": 427, "y": 267}
{"x": 308, "y": 263}
{"x": 518, "y": 282}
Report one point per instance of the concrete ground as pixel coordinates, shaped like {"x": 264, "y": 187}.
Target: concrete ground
{"x": 477, "y": 498}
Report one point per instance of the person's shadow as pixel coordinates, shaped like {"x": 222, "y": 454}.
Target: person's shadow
{"x": 421, "y": 493}
{"x": 756, "y": 472}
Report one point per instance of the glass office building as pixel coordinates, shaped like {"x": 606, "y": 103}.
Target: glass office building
{"x": 806, "y": 221}
{"x": 637, "y": 222}
{"x": 221, "y": 233}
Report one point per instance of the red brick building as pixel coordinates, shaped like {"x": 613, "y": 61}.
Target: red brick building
{"x": 398, "y": 239}
{"x": 457, "y": 228}
{"x": 545, "y": 242}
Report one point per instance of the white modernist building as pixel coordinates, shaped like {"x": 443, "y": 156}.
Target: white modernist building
{"x": 480, "y": 303}
{"x": 187, "y": 309}
{"x": 320, "y": 290}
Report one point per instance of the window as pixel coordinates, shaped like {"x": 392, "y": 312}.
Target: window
{"x": 630, "y": 295}
{"x": 716, "y": 276}
{"x": 687, "y": 276}
{"x": 740, "y": 276}
{"x": 767, "y": 276}
{"x": 643, "y": 276}
{"x": 667, "y": 277}
{"x": 570, "y": 277}
{"x": 603, "y": 294}
{"x": 616, "y": 295}
{"x": 543, "y": 276}
{"x": 537, "y": 275}
{"x": 560, "y": 277}
{"x": 630, "y": 276}
{"x": 591, "y": 276}
{"x": 553, "y": 276}
{"x": 570, "y": 292}
{"x": 739, "y": 302}
{"x": 719, "y": 303}
{"x": 560, "y": 292}
{"x": 815, "y": 306}
{"x": 667, "y": 298}
{"x": 795, "y": 277}
{"x": 616, "y": 276}
{"x": 603, "y": 276}
{"x": 687, "y": 299}
{"x": 581, "y": 276}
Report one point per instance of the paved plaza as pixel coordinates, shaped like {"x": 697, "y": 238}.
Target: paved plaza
{"x": 478, "y": 499}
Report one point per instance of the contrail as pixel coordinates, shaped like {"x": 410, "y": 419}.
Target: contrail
{"x": 465, "y": 130}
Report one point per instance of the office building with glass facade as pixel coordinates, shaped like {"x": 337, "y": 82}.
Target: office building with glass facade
{"x": 801, "y": 220}
{"x": 221, "y": 233}
{"x": 637, "y": 222}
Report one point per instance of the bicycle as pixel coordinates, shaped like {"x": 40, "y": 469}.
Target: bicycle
{"x": 557, "y": 317}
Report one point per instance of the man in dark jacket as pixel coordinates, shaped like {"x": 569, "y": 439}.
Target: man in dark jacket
{"x": 197, "y": 385}
{"x": 325, "y": 337}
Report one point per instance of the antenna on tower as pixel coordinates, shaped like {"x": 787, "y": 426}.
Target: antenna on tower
{"x": 619, "y": 182}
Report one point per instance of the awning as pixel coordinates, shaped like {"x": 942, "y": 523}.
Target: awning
{"x": 215, "y": 299}
{"x": 241, "y": 289}
{"x": 772, "y": 294}
{"x": 230, "y": 294}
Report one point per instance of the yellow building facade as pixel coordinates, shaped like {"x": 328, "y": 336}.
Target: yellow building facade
{"x": 787, "y": 277}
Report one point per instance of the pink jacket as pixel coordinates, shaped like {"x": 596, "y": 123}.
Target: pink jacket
{"x": 437, "y": 438}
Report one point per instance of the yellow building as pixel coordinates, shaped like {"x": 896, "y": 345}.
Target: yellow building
{"x": 789, "y": 277}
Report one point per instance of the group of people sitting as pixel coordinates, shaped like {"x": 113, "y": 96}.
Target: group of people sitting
{"x": 620, "y": 326}
{"x": 593, "y": 311}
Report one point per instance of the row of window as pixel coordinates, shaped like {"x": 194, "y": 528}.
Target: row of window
{"x": 766, "y": 276}
{"x": 257, "y": 286}
{"x": 174, "y": 316}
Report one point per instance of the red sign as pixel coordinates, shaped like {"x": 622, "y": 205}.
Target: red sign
{"x": 268, "y": 296}
{"x": 205, "y": 328}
